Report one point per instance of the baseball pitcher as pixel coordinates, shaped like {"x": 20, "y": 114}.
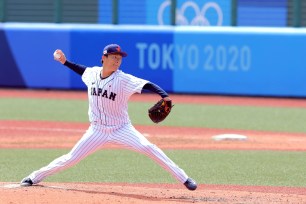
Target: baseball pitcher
{"x": 108, "y": 92}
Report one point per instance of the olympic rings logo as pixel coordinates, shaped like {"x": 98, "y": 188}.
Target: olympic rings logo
{"x": 199, "y": 19}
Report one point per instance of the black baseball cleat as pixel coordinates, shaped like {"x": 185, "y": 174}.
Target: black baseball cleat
{"x": 26, "y": 182}
{"x": 190, "y": 184}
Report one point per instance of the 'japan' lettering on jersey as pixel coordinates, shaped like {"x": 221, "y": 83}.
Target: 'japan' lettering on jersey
{"x": 108, "y": 98}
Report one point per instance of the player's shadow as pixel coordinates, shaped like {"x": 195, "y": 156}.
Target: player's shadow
{"x": 127, "y": 195}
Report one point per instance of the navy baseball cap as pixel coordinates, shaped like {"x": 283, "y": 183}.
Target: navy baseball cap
{"x": 113, "y": 49}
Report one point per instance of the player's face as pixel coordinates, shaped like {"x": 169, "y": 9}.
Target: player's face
{"x": 112, "y": 61}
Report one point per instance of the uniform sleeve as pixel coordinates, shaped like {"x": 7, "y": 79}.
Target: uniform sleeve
{"x": 156, "y": 89}
{"x": 88, "y": 75}
{"x": 85, "y": 76}
{"x": 77, "y": 68}
{"x": 133, "y": 84}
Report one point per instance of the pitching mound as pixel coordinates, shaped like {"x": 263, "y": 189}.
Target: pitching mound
{"x": 142, "y": 193}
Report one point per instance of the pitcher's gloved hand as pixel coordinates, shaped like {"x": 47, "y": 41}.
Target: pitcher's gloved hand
{"x": 159, "y": 111}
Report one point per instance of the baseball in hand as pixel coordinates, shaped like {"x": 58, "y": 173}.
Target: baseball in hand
{"x": 56, "y": 55}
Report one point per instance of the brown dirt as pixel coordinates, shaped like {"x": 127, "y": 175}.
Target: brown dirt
{"x": 89, "y": 193}
{"x": 43, "y": 134}
{"x": 38, "y": 134}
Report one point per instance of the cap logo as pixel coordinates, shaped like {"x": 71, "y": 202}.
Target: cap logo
{"x": 118, "y": 49}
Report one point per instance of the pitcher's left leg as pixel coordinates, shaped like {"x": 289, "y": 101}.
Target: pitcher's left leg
{"x": 131, "y": 138}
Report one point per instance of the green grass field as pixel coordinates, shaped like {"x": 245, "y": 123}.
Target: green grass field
{"x": 271, "y": 168}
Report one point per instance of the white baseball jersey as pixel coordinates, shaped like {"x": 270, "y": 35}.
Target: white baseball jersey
{"x": 108, "y": 98}
{"x": 110, "y": 123}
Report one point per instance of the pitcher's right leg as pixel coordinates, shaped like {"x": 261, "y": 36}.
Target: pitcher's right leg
{"x": 92, "y": 139}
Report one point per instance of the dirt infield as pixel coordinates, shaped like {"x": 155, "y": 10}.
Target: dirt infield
{"x": 38, "y": 134}
{"x": 42, "y": 134}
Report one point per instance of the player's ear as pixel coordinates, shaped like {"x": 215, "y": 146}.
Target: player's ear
{"x": 103, "y": 57}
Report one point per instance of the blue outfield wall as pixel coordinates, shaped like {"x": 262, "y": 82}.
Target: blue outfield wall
{"x": 202, "y": 60}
